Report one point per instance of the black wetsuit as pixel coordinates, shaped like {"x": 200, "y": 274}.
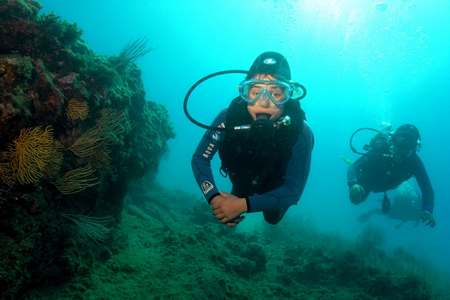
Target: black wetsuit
{"x": 378, "y": 173}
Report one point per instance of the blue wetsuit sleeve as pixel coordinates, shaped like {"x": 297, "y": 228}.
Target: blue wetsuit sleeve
{"x": 294, "y": 182}
{"x": 425, "y": 185}
{"x": 201, "y": 160}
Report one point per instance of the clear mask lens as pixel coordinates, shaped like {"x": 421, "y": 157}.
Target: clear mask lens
{"x": 278, "y": 92}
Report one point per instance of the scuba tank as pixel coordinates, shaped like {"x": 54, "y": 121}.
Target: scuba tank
{"x": 380, "y": 144}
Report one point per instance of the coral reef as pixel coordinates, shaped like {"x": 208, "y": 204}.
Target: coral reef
{"x": 73, "y": 126}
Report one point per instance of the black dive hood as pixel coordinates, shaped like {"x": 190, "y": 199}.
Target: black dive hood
{"x": 259, "y": 120}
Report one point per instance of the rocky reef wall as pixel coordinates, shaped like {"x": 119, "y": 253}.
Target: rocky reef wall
{"x": 75, "y": 128}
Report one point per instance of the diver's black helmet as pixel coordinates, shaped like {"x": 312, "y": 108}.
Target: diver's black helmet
{"x": 272, "y": 63}
{"x": 406, "y": 138}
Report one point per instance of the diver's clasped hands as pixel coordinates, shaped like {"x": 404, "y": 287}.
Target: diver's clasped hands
{"x": 428, "y": 219}
{"x": 227, "y": 208}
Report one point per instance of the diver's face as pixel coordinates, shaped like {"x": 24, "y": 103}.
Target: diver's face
{"x": 264, "y": 105}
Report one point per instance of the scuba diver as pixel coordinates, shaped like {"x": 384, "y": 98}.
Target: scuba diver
{"x": 264, "y": 144}
{"x": 391, "y": 159}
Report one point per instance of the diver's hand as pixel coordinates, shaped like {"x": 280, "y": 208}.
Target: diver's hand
{"x": 226, "y": 207}
{"x": 357, "y": 193}
{"x": 232, "y": 222}
{"x": 428, "y": 219}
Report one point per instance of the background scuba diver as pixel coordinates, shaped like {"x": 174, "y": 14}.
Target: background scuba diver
{"x": 265, "y": 146}
{"x": 391, "y": 159}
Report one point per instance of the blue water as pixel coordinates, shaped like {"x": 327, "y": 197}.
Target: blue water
{"x": 363, "y": 62}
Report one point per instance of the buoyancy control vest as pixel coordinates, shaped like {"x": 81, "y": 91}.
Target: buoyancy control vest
{"x": 256, "y": 161}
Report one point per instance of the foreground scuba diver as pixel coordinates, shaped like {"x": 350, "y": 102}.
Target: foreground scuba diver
{"x": 390, "y": 160}
{"x": 264, "y": 145}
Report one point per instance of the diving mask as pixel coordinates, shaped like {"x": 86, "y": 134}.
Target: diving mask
{"x": 277, "y": 91}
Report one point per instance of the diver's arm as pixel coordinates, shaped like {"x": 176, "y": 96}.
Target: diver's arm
{"x": 294, "y": 183}
{"x": 425, "y": 185}
{"x": 201, "y": 160}
{"x": 353, "y": 170}
{"x": 351, "y": 175}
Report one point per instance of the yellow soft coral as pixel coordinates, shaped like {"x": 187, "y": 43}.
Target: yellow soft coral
{"x": 30, "y": 154}
{"x": 88, "y": 143}
{"x": 77, "y": 180}
{"x": 112, "y": 124}
{"x": 77, "y": 109}
{"x": 95, "y": 142}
